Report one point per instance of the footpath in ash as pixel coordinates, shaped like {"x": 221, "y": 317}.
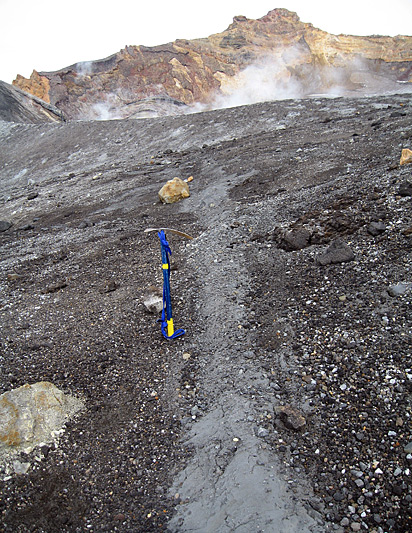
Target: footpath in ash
{"x": 302, "y": 348}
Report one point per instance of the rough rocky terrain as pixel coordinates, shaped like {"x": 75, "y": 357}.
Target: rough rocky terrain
{"x": 286, "y": 406}
{"x": 277, "y": 53}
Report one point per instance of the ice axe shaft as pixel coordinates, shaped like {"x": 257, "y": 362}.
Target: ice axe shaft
{"x": 166, "y": 290}
{"x": 167, "y": 317}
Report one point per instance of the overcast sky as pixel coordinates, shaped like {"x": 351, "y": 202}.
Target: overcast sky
{"x": 47, "y": 35}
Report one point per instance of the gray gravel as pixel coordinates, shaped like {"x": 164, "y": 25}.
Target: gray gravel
{"x": 287, "y": 404}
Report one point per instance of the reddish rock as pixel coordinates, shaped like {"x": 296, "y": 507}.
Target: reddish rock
{"x": 201, "y": 69}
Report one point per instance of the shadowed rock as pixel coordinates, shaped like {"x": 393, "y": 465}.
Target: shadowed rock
{"x": 18, "y": 106}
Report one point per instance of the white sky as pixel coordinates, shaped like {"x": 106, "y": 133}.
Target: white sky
{"x": 48, "y": 35}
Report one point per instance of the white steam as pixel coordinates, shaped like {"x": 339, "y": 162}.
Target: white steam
{"x": 269, "y": 79}
{"x": 291, "y": 74}
{"x": 84, "y": 68}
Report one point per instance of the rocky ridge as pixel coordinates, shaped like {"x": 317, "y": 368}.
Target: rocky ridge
{"x": 289, "y": 57}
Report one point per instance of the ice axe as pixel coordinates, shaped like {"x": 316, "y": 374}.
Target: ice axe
{"x": 167, "y": 317}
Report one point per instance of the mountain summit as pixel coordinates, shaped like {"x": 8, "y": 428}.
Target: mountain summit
{"x": 276, "y": 56}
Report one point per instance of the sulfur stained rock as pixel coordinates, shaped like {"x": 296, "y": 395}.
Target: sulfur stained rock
{"x": 195, "y": 71}
{"x": 406, "y": 156}
{"x": 32, "y": 414}
{"x": 173, "y": 191}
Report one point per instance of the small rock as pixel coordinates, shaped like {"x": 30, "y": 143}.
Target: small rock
{"x": 54, "y": 287}
{"x": 407, "y": 232}
{"x": 110, "y": 286}
{"x": 338, "y": 496}
{"x": 20, "y": 468}
{"x": 344, "y": 522}
{"x": 292, "y": 418}
{"x": 186, "y": 356}
{"x": 405, "y": 189}
{"x": 355, "y": 526}
{"x": 408, "y": 448}
{"x": 338, "y": 252}
{"x": 153, "y": 300}
{"x": 32, "y": 196}
{"x": 262, "y": 432}
{"x": 296, "y": 239}
{"x": 376, "y": 228}
{"x": 406, "y": 156}
{"x": 13, "y": 276}
{"x": 397, "y": 490}
{"x": 4, "y": 225}
{"x": 399, "y": 289}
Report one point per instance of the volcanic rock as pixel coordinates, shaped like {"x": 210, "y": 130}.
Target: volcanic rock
{"x": 32, "y": 414}
{"x": 18, "y": 106}
{"x": 295, "y": 57}
{"x": 337, "y": 252}
{"x": 406, "y": 156}
{"x": 291, "y": 417}
{"x": 173, "y": 191}
{"x": 5, "y": 225}
{"x": 405, "y": 188}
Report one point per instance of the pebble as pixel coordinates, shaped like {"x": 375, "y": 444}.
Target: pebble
{"x": 399, "y": 289}
{"x": 355, "y": 526}
{"x": 408, "y": 448}
{"x": 262, "y": 432}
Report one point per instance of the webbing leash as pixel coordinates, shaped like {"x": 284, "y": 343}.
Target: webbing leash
{"x": 167, "y": 318}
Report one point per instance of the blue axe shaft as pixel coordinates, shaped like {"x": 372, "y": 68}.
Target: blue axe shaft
{"x": 166, "y": 289}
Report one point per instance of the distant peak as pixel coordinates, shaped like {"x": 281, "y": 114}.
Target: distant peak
{"x": 280, "y": 13}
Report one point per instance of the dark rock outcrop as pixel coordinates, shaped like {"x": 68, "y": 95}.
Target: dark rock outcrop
{"x": 18, "y": 106}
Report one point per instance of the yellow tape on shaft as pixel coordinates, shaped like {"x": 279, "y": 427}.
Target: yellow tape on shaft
{"x": 170, "y": 327}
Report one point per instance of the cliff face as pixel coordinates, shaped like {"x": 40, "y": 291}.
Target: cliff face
{"x": 286, "y": 55}
{"x": 18, "y": 106}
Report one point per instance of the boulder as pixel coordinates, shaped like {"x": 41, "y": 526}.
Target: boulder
{"x": 338, "y": 252}
{"x": 173, "y": 191}
{"x": 33, "y": 414}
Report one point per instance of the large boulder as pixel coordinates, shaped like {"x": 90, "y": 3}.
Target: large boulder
{"x": 33, "y": 414}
